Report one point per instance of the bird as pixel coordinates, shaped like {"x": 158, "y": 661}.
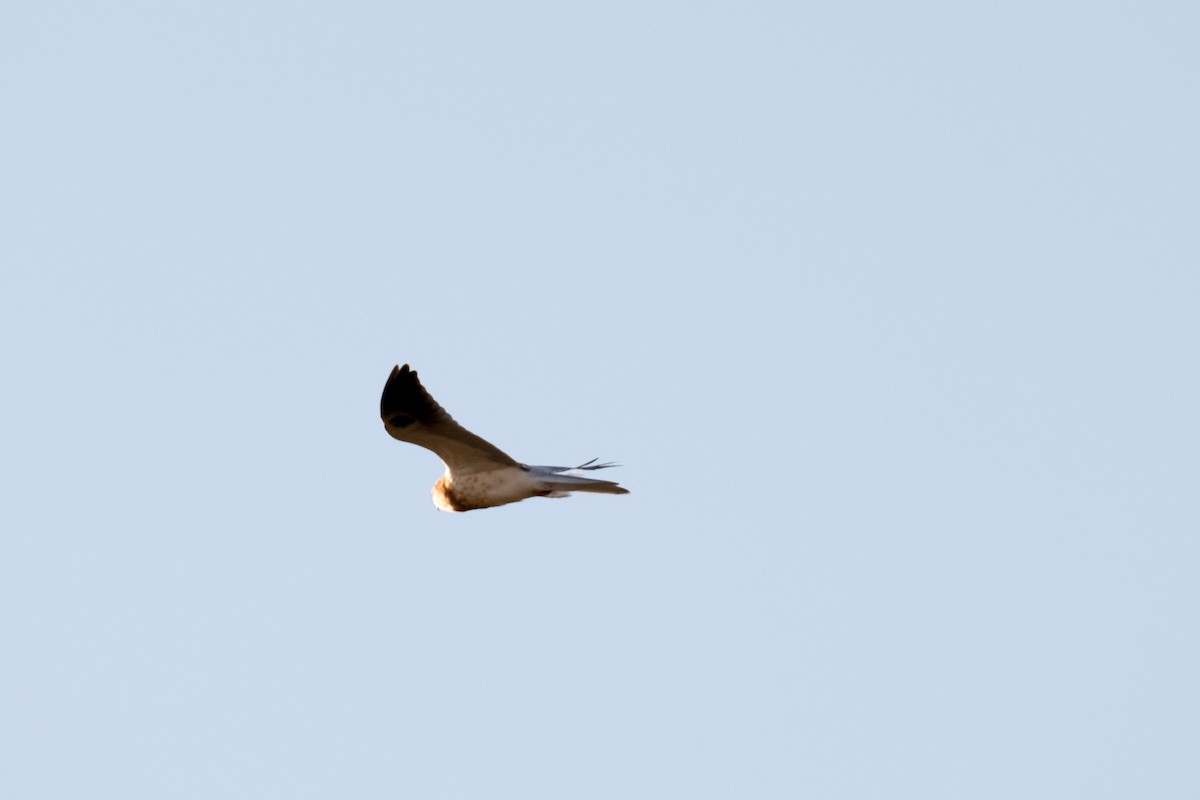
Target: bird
{"x": 478, "y": 474}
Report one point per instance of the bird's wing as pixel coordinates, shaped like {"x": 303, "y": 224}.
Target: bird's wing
{"x": 411, "y": 415}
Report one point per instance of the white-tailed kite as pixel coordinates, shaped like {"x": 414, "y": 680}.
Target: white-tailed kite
{"x": 478, "y": 474}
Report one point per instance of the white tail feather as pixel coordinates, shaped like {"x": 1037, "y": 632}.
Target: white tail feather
{"x": 558, "y": 483}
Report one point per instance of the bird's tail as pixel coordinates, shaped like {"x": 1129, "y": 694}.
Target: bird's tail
{"x": 555, "y": 480}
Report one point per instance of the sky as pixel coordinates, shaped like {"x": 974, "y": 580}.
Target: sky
{"x": 889, "y": 312}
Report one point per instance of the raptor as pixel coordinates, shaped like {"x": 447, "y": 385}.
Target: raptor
{"x": 478, "y": 474}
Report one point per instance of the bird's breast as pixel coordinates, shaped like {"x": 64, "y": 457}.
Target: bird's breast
{"x": 483, "y": 489}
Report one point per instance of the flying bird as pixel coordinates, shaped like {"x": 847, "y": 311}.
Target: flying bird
{"x": 478, "y": 474}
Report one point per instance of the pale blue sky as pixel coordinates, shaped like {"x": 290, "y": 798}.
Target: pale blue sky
{"x": 890, "y": 312}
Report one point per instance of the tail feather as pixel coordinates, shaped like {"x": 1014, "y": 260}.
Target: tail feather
{"x": 554, "y": 480}
{"x": 569, "y": 483}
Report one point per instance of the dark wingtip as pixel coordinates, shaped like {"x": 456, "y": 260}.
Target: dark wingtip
{"x": 392, "y": 390}
{"x": 403, "y": 394}
{"x": 593, "y": 465}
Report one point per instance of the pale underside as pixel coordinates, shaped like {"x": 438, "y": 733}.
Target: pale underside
{"x": 495, "y": 487}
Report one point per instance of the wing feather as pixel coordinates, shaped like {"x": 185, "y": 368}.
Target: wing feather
{"x": 411, "y": 415}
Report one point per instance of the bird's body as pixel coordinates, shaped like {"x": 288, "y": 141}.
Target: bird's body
{"x": 478, "y": 474}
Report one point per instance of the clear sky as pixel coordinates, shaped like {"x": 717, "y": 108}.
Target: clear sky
{"x": 890, "y": 312}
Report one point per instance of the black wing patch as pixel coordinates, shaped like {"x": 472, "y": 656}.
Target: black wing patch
{"x": 405, "y": 401}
